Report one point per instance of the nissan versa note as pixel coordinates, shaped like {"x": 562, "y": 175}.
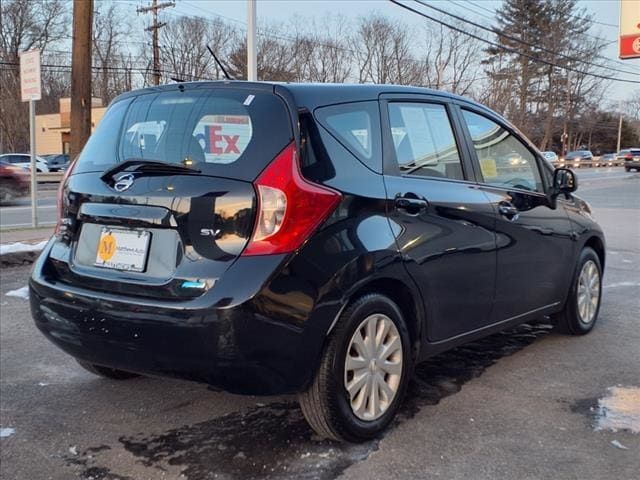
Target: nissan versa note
{"x": 314, "y": 239}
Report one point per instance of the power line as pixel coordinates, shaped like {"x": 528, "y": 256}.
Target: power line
{"x": 511, "y": 50}
{"x": 602, "y": 57}
{"x": 67, "y": 68}
{"x": 500, "y": 33}
{"x": 154, "y": 27}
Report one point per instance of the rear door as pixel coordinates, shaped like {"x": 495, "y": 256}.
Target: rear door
{"x": 535, "y": 246}
{"x": 161, "y": 200}
{"x": 442, "y": 221}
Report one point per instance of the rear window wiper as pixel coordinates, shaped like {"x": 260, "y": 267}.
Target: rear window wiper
{"x": 151, "y": 167}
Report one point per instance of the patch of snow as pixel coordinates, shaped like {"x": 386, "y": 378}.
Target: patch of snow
{"x": 617, "y": 444}
{"x": 21, "y": 247}
{"x": 619, "y": 410}
{"x": 7, "y": 432}
{"x": 623, "y": 284}
{"x": 20, "y": 293}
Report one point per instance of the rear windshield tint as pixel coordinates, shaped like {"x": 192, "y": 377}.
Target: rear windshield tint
{"x": 225, "y": 132}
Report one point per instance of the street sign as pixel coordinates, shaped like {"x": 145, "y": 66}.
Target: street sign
{"x": 629, "y": 41}
{"x": 31, "y": 90}
{"x": 30, "y": 84}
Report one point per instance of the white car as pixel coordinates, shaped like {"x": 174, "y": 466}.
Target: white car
{"x": 550, "y": 157}
{"x": 24, "y": 160}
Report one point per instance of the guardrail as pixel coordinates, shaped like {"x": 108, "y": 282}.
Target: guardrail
{"x": 49, "y": 177}
{"x": 596, "y": 162}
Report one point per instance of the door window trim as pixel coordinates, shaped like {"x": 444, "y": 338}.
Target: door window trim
{"x": 390, "y": 160}
{"x": 512, "y": 131}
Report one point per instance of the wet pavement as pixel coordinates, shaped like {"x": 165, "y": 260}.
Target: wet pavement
{"x": 521, "y": 404}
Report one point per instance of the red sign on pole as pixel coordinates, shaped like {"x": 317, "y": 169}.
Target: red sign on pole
{"x": 629, "y": 29}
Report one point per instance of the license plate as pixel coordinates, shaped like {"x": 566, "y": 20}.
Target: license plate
{"x": 123, "y": 249}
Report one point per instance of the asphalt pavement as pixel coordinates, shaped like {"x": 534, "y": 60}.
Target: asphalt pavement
{"x": 522, "y": 404}
{"x": 18, "y": 213}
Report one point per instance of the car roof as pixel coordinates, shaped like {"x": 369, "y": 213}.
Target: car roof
{"x": 312, "y": 95}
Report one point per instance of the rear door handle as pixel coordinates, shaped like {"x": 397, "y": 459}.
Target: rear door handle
{"x": 508, "y": 210}
{"x": 411, "y": 205}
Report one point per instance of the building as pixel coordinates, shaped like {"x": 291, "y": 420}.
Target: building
{"x": 53, "y": 131}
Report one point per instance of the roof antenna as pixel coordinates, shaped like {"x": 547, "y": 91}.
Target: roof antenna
{"x": 219, "y": 63}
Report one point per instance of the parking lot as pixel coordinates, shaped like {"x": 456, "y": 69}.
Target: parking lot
{"x": 521, "y": 404}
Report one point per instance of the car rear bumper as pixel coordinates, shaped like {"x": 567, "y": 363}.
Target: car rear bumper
{"x": 632, "y": 164}
{"x": 238, "y": 349}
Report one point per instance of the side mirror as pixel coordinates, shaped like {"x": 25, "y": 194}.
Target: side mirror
{"x": 564, "y": 181}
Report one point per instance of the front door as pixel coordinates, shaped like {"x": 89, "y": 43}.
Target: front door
{"x": 533, "y": 239}
{"x": 442, "y": 221}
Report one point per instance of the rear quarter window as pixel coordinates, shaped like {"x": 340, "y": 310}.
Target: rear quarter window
{"x": 357, "y": 127}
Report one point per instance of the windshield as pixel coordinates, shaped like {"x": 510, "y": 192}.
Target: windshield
{"x": 225, "y": 132}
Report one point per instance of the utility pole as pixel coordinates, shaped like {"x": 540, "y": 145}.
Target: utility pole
{"x": 252, "y": 47}
{"x": 619, "y": 126}
{"x": 565, "y": 133}
{"x": 81, "y": 75}
{"x": 154, "y": 27}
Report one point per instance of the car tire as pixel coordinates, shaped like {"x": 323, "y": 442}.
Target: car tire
{"x": 106, "y": 372}
{"x": 327, "y": 404}
{"x": 577, "y": 317}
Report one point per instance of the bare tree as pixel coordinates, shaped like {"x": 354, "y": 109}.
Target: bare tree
{"x": 451, "y": 60}
{"x": 323, "y": 53}
{"x": 184, "y": 48}
{"x": 276, "y": 56}
{"x": 24, "y": 25}
{"x": 385, "y": 54}
{"x": 111, "y": 30}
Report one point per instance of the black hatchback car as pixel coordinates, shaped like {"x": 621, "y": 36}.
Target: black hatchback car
{"x": 317, "y": 239}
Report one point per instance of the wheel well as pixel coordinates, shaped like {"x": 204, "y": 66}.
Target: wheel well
{"x": 402, "y": 297}
{"x": 598, "y": 246}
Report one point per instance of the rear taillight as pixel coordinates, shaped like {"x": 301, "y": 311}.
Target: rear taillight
{"x": 60, "y": 198}
{"x": 290, "y": 208}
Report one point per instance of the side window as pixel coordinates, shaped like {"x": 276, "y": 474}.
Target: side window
{"x": 357, "y": 127}
{"x": 424, "y": 140}
{"x": 504, "y": 160}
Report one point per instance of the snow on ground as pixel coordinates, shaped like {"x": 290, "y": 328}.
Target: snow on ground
{"x": 21, "y": 247}
{"x": 20, "y": 293}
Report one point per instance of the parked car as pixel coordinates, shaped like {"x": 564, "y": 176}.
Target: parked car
{"x": 608, "y": 159}
{"x": 551, "y": 157}
{"x": 578, "y": 158}
{"x": 57, "y": 162}
{"x": 14, "y": 182}
{"x": 24, "y": 160}
{"x": 630, "y": 158}
{"x": 314, "y": 239}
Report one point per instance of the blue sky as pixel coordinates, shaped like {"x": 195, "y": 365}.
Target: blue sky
{"x": 604, "y": 11}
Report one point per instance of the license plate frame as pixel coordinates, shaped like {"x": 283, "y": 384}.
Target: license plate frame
{"x": 126, "y": 250}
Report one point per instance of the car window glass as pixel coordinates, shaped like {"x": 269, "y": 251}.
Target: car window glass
{"x": 220, "y": 131}
{"x": 223, "y": 138}
{"x": 504, "y": 160}
{"x": 423, "y": 140}
{"x": 357, "y": 127}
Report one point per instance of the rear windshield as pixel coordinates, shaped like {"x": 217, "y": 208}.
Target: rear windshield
{"x": 225, "y": 132}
